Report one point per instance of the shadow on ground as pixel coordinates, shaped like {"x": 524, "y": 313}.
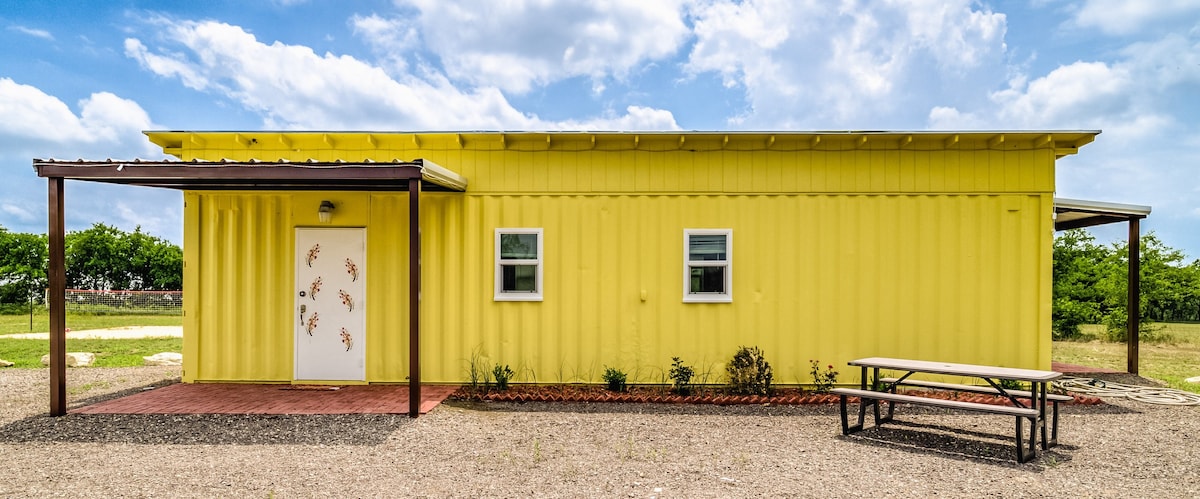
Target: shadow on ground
{"x": 202, "y": 429}
{"x": 997, "y": 449}
{"x": 207, "y": 429}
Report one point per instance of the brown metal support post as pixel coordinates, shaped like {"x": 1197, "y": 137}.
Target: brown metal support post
{"x": 414, "y": 297}
{"x": 1134, "y": 301}
{"x": 57, "y": 301}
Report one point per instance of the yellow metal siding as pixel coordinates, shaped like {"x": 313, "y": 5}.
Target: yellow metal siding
{"x": 875, "y": 168}
{"x": 833, "y": 278}
{"x": 242, "y": 268}
{"x": 242, "y": 259}
{"x": 842, "y": 251}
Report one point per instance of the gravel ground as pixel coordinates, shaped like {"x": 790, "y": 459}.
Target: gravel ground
{"x": 1124, "y": 449}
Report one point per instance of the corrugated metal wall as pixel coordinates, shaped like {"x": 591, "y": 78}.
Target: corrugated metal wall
{"x": 923, "y": 254}
{"x": 814, "y": 277}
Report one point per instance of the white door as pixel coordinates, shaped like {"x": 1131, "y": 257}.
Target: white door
{"x": 330, "y": 301}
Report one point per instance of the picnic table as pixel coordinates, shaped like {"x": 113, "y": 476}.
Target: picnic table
{"x": 1028, "y": 405}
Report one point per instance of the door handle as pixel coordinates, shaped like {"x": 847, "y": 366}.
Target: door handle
{"x": 303, "y": 309}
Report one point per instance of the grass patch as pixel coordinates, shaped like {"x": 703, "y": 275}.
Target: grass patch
{"x": 1170, "y": 362}
{"x": 109, "y": 353}
{"x": 13, "y": 324}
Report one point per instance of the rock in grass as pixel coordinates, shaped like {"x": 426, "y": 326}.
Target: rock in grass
{"x": 5, "y": 363}
{"x": 1194, "y": 379}
{"x": 74, "y": 359}
{"x": 164, "y": 359}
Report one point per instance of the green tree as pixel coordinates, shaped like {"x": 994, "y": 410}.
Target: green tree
{"x": 1079, "y": 264}
{"x": 154, "y": 264}
{"x": 1091, "y": 284}
{"x": 96, "y": 259}
{"x": 23, "y": 260}
{"x": 104, "y": 257}
{"x": 1169, "y": 287}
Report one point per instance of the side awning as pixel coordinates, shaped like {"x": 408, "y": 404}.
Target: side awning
{"x": 1076, "y": 213}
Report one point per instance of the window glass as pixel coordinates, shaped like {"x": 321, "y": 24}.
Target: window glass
{"x": 708, "y": 280}
{"x": 706, "y": 247}
{"x": 518, "y": 246}
{"x": 520, "y": 278}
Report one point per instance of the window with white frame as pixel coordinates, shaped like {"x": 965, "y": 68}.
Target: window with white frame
{"x": 518, "y": 264}
{"x": 708, "y": 265}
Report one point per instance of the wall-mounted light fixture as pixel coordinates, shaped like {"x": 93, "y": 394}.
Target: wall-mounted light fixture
{"x": 325, "y": 212}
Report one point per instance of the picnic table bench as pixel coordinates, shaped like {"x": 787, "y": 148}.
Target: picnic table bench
{"x": 1027, "y": 405}
{"x": 1051, "y": 398}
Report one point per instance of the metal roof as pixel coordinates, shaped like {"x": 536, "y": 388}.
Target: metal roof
{"x": 1078, "y": 213}
{"x": 1063, "y": 142}
{"x": 256, "y": 174}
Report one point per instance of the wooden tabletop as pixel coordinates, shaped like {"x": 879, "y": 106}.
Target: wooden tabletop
{"x": 957, "y": 369}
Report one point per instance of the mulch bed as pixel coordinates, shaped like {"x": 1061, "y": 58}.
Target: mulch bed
{"x": 709, "y": 396}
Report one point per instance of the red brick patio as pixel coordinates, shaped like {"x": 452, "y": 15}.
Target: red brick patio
{"x": 235, "y": 398}
{"x": 1074, "y": 369}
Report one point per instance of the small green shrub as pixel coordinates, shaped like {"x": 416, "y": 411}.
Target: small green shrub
{"x": 502, "y": 376}
{"x": 1011, "y": 384}
{"x": 478, "y": 378}
{"x": 749, "y": 372}
{"x": 681, "y": 377}
{"x": 823, "y": 381}
{"x": 614, "y": 379}
{"x": 20, "y": 309}
{"x": 1114, "y": 329}
{"x": 1067, "y": 315}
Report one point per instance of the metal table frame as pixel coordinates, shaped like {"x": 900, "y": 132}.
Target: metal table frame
{"x": 992, "y": 375}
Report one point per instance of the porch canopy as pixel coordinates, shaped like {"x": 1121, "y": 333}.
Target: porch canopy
{"x": 397, "y": 175}
{"x": 1076, "y": 214}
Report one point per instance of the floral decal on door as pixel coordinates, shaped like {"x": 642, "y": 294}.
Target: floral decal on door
{"x": 311, "y": 325}
{"x": 314, "y": 288}
{"x": 347, "y": 339}
{"x": 312, "y": 254}
{"x": 347, "y": 300}
{"x": 352, "y": 269}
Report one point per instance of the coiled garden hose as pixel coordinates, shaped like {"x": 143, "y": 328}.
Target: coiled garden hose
{"x": 1148, "y": 394}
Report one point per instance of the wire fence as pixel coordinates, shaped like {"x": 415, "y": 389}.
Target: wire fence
{"x": 93, "y": 301}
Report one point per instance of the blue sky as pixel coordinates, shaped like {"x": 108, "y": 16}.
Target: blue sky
{"x": 84, "y": 79}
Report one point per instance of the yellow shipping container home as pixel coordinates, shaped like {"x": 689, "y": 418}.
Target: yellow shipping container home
{"x": 561, "y": 254}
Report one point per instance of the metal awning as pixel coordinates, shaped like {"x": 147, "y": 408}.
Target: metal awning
{"x": 1077, "y": 213}
{"x": 411, "y": 176}
{"x": 255, "y": 174}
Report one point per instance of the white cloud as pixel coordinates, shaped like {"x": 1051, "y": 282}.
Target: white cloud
{"x": 1075, "y": 94}
{"x": 1133, "y": 97}
{"x": 40, "y": 125}
{"x": 813, "y": 63}
{"x": 1122, "y": 17}
{"x": 36, "y": 123}
{"x": 18, "y": 212}
{"x": 295, "y": 88}
{"x": 162, "y": 65}
{"x": 392, "y": 38}
{"x": 950, "y": 118}
{"x": 636, "y": 118}
{"x": 36, "y": 33}
{"x": 517, "y": 44}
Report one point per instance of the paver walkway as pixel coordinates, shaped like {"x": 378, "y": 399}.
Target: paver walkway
{"x": 1065, "y": 368}
{"x": 112, "y": 333}
{"x": 236, "y": 398}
